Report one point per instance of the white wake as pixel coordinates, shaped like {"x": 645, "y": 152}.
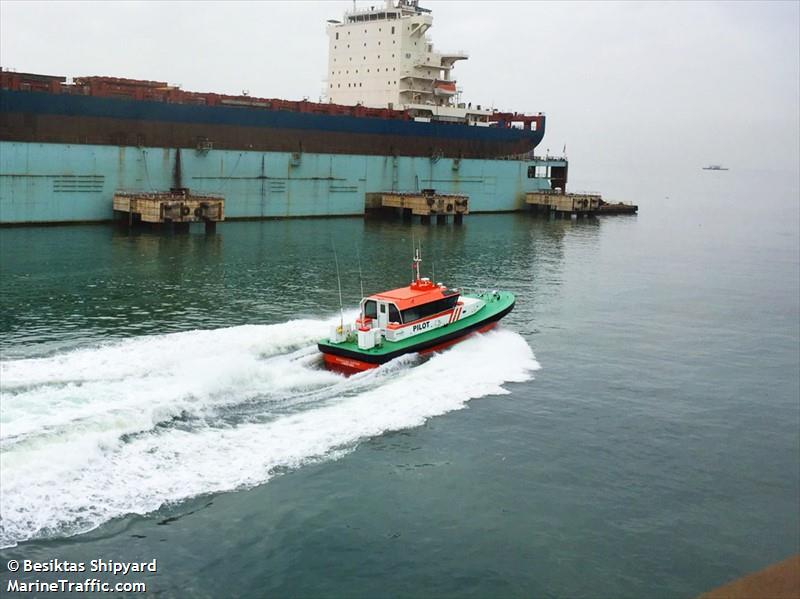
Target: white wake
{"x": 124, "y": 428}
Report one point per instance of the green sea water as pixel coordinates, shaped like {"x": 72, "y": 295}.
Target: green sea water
{"x": 631, "y": 429}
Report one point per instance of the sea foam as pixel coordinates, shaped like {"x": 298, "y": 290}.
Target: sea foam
{"x": 100, "y": 432}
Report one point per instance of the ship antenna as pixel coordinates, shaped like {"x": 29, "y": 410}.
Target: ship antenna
{"x": 339, "y": 281}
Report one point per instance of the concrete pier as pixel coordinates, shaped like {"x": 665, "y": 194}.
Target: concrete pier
{"x": 574, "y": 204}
{"x": 425, "y": 204}
{"x": 177, "y": 208}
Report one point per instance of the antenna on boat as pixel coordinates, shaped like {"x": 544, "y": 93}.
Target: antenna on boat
{"x": 413, "y": 252}
{"x": 360, "y": 278}
{"x": 339, "y": 281}
{"x": 417, "y": 260}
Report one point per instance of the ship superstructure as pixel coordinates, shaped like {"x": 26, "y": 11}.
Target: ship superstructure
{"x": 384, "y": 57}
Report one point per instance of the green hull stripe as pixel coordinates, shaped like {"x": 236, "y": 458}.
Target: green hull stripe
{"x": 495, "y": 305}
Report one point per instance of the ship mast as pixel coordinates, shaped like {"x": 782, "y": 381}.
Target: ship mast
{"x": 415, "y": 265}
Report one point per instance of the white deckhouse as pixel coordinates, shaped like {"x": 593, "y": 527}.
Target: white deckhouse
{"x": 382, "y": 57}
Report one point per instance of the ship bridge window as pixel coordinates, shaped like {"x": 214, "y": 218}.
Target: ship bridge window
{"x": 392, "y": 29}
{"x": 337, "y": 37}
{"x": 537, "y": 172}
{"x": 371, "y": 309}
{"x": 394, "y": 314}
{"x": 429, "y": 309}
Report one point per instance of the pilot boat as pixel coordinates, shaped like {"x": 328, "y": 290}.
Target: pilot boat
{"x": 420, "y": 318}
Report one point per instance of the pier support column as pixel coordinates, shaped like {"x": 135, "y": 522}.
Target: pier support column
{"x": 441, "y": 219}
{"x": 425, "y": 219}
{"x": 458, "y": 218}
{"x": 211, "y": 227}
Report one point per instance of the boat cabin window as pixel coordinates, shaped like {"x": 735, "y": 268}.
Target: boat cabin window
{"x": 394, "y": 314}
{"x": 429, "y": 309}
{"x": 371, "y": 309}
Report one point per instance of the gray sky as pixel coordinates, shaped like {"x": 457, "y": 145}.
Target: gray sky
{"x": 673, "y": 85}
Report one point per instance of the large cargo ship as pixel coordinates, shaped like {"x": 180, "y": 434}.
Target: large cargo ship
{"x": 393, "y": 121}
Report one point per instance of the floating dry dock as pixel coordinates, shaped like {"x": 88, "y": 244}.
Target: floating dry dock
{"x": 177, "y": 208}
{"x": 589, "y": 204}
{"x": 425, "y": 204}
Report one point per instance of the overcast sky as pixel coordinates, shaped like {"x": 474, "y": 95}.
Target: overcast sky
{"x": 678, "y": 84}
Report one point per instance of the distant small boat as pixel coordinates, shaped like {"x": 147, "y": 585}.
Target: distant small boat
{"x": 715, "y": 167}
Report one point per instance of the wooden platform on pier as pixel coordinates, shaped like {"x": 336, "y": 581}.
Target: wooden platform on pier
{"x": 178, "y": 207}
{"x": 589, "y": 204}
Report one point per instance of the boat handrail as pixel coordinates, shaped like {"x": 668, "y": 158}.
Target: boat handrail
{"x": 471, "y": 290}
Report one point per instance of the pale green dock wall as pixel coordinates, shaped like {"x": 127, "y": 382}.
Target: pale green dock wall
{"x": 46, "y": 183}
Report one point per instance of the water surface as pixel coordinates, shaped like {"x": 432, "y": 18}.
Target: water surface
{"x": 632, "y": 429}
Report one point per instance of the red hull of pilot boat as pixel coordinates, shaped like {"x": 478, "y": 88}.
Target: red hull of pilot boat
{"x": 352, "y": 366}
